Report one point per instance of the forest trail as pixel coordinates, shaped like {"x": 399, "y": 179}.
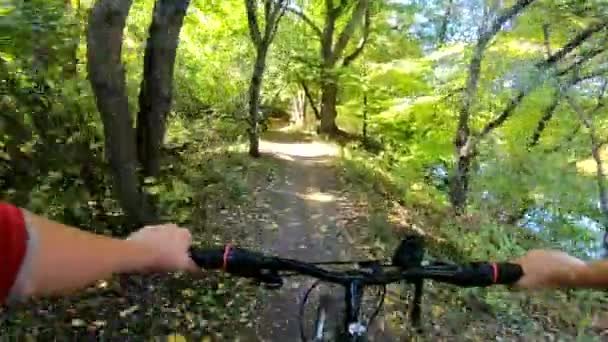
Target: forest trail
{"x": 304, "y": 201}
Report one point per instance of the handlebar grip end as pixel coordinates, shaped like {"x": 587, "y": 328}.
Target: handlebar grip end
{"x": 209, "y": 259}
{"x": 509, "y": 273}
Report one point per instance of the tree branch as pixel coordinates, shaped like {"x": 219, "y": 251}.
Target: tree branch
{"x": 581, "y": 114}
{"x": 574, "y": 43}
{"x": 567, "y": 140}
{"x": 252, "y": 19}
{"x": 268, "y": 9}
{"x": 551, "y": 60}
{"x": 340, "y": 8}
{"x": 502, "y": 19}
{"x": 277, "y": 14}
{"x": 366, "y": 28}
{"x": 310, "y": 100}
{"x": 542, "y": 123}
{"x": 582, "y": 60}
{"x": 462, "y": 135}
{"x": 506, "y": 113}
{"x": 349, "y": 29}
{"x": 307, "y": 20}
{"x": 547, "y": 39}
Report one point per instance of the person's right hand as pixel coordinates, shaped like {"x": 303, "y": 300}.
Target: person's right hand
{"x": 168, "y": 245}
{"x": 548, "y": 269}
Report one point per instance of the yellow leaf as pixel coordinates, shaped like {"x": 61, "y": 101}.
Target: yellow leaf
{"x": 176, "y": 338}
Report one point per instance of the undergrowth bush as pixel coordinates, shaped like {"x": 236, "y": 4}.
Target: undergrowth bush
{"x": 477, "y": 236}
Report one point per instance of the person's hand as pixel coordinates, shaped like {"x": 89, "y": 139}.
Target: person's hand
{"x": 548, "y": 269}
{"x": 168, "y": 246}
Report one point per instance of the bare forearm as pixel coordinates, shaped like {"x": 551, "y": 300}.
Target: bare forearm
{"x": 592, "y": 275}
{"x": 64, "y": 259}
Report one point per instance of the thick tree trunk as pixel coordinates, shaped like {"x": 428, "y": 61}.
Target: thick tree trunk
{"x": 107, "y": 76}
{"x": 329, "y": 94}
{"x": 254, "y": 100}
{"x": 459, "y": 181}
{"x": 157, "y": 83}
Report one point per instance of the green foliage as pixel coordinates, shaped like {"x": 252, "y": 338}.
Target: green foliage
{"x": 52, "y": 157}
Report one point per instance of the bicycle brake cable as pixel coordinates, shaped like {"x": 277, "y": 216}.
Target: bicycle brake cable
{"x": 302, "y": 308}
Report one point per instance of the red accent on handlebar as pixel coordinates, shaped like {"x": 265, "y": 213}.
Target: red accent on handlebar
{"x": 495, "y": 277}
{"x": 227, "y": 249}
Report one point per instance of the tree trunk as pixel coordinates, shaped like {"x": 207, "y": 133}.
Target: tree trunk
{"x": 365, "y": 109}
{"x": 107, "y": 76}
{"x": 254, "y": 99}
{"x": 298, "y": 112}
{"x": 329, "y": 94}
{"x": 459, "y": 181}
{"x": 157, "y": 83}
{"x": 443, "y": 29}
{"x": 601, "y": 178}
{"x": 463, "y": 141}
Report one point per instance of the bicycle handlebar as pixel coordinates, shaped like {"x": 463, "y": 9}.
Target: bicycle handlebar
{"x": 245, "y": 263}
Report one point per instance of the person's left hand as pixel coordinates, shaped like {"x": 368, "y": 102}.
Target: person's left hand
{"x": 548, "y": 269}
{"x": 169, "y": 247}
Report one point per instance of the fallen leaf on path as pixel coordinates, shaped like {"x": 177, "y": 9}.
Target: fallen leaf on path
{"x": 77, "y": 322}
{"x": 129, "y": 311}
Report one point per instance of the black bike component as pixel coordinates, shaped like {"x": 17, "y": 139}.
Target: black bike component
{"x": 302, "y": 307}
{"x": 409, "y": 253}
{"x": 416, "y": 310}
{"x": 210, "y": 259}
{"x": 380, "y": 304}
{"x": 270, "y": 279}
{"x": 269, "y": 270}
{"x": 508, "y": 273}
{"x": 244, "y": 263}
{"x": 323, "y": 311}
{"x": 377, "y": 269}
{"x": 354, "y": 296}
{"x": 480, "y": 274}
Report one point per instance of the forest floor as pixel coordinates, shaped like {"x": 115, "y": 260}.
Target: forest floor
{"x": 297, "y": 204}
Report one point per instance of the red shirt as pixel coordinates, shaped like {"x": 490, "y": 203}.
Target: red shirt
{"x": 13, "y": 238}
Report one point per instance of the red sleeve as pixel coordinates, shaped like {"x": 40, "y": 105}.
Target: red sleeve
{"x": 13, "y": 238}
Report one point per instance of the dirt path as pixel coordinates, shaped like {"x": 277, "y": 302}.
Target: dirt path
{"x": 304, "y": 204}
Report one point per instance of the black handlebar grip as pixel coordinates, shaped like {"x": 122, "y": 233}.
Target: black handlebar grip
{"x": 481, "y": 274}
{"x": 209, "y": 258}
{"x": 508, "y": 273}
